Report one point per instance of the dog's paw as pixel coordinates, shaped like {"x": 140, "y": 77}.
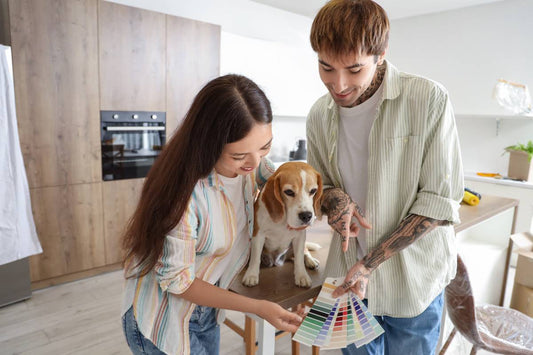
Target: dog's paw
{"x": 310, "y": 262}
{"x": 250, "y": 278}
{"x": 302, "y": 280}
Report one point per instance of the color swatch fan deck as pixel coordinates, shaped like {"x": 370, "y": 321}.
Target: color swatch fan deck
{"x": 334, "y": 323}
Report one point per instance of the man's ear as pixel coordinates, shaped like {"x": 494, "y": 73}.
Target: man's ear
{"x": 272, "y": 199}
{"x": 381, "y": 57}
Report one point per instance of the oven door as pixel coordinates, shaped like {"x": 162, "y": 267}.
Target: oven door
{"x": 129, "y": 150}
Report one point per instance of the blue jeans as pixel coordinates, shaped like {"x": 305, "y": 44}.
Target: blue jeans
{"x": 204, "y": 334}
{"x": 406, "y": 336}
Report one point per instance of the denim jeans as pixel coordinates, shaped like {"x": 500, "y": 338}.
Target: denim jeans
{"x": 204, "y": 334}
{"x": 406, "y": 336}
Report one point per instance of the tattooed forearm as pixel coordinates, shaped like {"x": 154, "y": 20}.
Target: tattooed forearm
{"x": 411, "y": 228}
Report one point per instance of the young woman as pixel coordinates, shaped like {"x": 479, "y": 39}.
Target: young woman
{"x": 190, "y": 234}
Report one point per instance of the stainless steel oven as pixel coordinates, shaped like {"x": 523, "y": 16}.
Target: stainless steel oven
{"x": 131, "y": 141}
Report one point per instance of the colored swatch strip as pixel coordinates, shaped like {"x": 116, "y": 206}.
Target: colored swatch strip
{"x": 334, "y": 323}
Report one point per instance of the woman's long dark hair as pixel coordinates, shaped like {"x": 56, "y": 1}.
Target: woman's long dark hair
{"x": 224, "y": 111}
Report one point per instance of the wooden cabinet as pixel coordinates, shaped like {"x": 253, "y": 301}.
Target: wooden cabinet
{"x": 70, "y": 227}
{"x": 193, "y": 57}
{"x": 119, "y": 201}
{"x": 132, "y": 58}
{"x": 55, "y": 69}
{"x": 71, "y": 59}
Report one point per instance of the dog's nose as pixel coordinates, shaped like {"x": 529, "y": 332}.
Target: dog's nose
{"x": 305, "y": 216}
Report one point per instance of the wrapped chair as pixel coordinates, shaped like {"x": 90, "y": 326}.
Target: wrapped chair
{"x": 489, "y": 327}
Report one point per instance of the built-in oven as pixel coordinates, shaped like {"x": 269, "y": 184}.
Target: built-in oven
{"x": 131, "y": 141}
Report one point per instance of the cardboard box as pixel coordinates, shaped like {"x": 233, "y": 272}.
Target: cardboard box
{"x": 522, "y": 299}
{"x": 524, "y": 269}
{"x": 519, "y": 166}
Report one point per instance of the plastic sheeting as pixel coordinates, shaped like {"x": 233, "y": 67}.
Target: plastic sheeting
{"x": 18, "y": 237}
{"x": 506, "y": 325}
{"x": 493, "y": 328}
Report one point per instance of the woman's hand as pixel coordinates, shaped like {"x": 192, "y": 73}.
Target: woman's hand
{"x": 340, "y": 209}
{"x": 279, "y": 317}
{"x": 356, "y": 280}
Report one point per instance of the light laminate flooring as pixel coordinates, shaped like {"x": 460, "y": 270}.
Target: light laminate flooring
{"x": 83, "y": 317}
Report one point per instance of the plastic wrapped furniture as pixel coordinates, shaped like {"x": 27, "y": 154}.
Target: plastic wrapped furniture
{"x": 492, "y": 328}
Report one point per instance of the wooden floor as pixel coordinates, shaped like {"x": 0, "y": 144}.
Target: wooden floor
{"x": 83, "y": 317}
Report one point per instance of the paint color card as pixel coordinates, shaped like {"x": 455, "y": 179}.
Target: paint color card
{"x": 333, "y": 323}
{"x": 316, "y": 327}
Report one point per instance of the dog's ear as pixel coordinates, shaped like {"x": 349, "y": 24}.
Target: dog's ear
{"x": 317, "y": 199}
{"x": 272, "y": 199}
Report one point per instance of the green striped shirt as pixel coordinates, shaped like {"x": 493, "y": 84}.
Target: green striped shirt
{"x": 414, "y": 167}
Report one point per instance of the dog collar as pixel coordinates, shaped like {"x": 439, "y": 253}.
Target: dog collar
{"x": 296, "y": 229}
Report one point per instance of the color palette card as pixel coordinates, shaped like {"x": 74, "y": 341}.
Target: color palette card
{"x": 333, "y": 323}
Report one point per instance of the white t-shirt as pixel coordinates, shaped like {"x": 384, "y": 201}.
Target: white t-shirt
{"x": 355, "y": 124}
{"x": 234, "y": 189}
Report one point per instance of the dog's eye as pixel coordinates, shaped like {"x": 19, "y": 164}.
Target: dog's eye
{"x": 312, "y": 192}
{"x": 289, "y": 193}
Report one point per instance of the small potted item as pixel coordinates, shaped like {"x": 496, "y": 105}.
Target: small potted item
{"x": 520, "y": 167}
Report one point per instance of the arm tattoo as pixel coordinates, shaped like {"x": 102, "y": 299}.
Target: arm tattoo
{"x": 411, "y": 228}
{"x": 335, "y": 203}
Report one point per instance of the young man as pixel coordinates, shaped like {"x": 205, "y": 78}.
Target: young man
{"x": 386, "y": 145}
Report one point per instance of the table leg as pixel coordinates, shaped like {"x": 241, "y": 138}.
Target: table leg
{"x": 266, "y": 336}
{"x": 249, "y": 335}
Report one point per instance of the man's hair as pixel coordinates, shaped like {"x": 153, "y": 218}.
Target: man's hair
{"x": 350, "y": 26}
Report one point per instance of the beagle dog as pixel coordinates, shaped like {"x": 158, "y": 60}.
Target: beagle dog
{"x": 288, "y": 204}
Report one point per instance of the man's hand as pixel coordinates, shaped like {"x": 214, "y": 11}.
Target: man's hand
{"x": 356, "y": 281}
{"x": 340, "y": 209}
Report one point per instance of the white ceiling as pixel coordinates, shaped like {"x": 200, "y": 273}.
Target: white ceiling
{"x": 395, "y": 9}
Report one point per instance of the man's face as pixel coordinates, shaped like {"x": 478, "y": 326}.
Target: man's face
{"x": 347, "y": 76}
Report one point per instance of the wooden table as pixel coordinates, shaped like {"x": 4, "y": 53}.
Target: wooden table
{"x": 276, "y": 284}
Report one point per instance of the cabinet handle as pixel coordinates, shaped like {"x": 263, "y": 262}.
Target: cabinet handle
{"x": 134, "y": 128}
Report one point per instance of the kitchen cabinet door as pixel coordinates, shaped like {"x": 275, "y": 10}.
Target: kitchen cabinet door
{"x": 193, "y": 58}
{"x": 55, "y": 69}
{"x": 132, "y": 58}
{"x": 120, "y": 199}
{"x": 70, "y": 227}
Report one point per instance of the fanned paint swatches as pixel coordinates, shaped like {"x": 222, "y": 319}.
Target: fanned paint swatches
{"x": 334, "y": 323}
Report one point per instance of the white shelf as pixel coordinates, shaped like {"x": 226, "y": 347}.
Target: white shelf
{"x": 502, "y": 116}
{"x": 471, "y": 176}
{"x": 498, "y": 118}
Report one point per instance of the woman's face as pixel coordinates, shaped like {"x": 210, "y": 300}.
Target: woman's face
{"x": 243, "y": 156}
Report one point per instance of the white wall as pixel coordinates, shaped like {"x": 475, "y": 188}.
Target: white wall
{"x": 287, "y": 72}
{"x": 468, "y": 50}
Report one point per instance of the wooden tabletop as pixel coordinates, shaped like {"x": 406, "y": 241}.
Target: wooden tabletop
{"x": 488, "y": 206}
{"x": 276, "y": 284}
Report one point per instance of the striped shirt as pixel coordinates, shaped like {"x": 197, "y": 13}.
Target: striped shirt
{"x": 200, "y": 242}
{"x": 414, "y": 167}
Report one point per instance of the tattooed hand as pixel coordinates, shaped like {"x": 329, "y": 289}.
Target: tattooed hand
{"x": 340, "y": 209}
{"x": 356, "y": 281}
